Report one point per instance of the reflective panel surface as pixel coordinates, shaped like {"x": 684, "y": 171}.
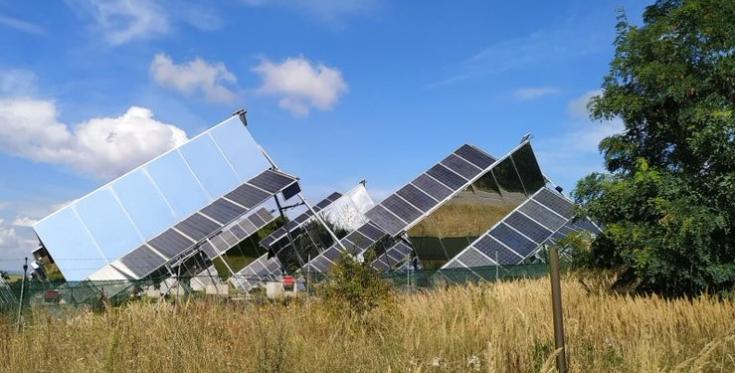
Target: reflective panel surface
{"x": 138, "y": 207}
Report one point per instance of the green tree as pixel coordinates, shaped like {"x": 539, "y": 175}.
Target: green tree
{"x": 668, "y": 201}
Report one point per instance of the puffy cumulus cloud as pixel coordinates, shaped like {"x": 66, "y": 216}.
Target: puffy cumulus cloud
{"x": 102, "y": 147}
{"x": 532, "y": 93}
{"x": 196, "y": 76}
{"x": 301, "y": 85}
{"x": 121, "y": 21}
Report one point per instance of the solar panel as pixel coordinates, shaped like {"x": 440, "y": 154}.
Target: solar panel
{"x": 247, "y": 195}
{"x": 223, "y": 211}
{"x": 495, "y": 251}
{"x": 271, "y": 181}
{"x": 238, "y": 232}
{"x": 542, "y": 215}
{"x": 431, "y": 187}
{"x": 461, "y": 166}
{"x": 446, "y": 177}
{"x": 555, "y": 202}
{"x": 171, "y": 243}
{"x": 417, "y": 198}
{"x": 371, "y": 231}
{"x": 197, "y": 226}
{"x": 472, "y": 258}
{"x": 528, "y": 227}
{"x": 513, "y": 239}
{"x": 142, "y": 261}
{"x": 332, "y": 254}
{"x": 475, "y": 156}
{"x": 401, "y": 208}
{"x": 256, "y": 220}
{"x": 385, "y": 220}
{"x": 247, "y": 226}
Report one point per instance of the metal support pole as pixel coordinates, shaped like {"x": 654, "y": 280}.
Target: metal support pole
{"x": 561, "y": 360}
{"x": 22, "y": 290}
{"x": 497, "y": 265}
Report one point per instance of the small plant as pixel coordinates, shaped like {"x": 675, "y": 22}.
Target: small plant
{"x": 355, "y": 289}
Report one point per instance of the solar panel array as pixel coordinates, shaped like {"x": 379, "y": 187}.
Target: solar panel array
{"x": 283, "y": 232}
{"x": 156, "y": 212}
{"x": 394, "y": 257}
{"x": 409, "y": 204}
{"x": 182, "y": 237}
{"x": 236, "y": 233}
{"x": 546, "y": 216}
{"x": 258, "y": 271}
{"x": 355, "y": 243}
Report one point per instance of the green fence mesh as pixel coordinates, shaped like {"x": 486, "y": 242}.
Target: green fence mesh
{"x": 59, "y": 295}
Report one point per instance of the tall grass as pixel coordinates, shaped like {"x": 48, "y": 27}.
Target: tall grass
{"x": 503, "y": 327}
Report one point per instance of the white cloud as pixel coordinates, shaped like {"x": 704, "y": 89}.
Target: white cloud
{"x": 24, "y": 221}
{"x": 15, "y": 244}
{"x": 301, "y": 85}
{"x": 102, "y": 147}
{"x": 21, "y": 25}
{"x": 195, "y": 76}
{"x": 577, "y": 108}
{"x": 324, "y": 10}
{"x": 17, "y": 82}
{"x": 532, "y": 93}
{"x": 573, "y": 153}
{"x": 121, "y": 21}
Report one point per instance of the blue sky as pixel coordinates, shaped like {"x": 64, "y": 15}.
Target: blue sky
{"x": 336, "y": 90}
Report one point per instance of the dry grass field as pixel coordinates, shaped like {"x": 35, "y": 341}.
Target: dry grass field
{"x": 503, "y": 327}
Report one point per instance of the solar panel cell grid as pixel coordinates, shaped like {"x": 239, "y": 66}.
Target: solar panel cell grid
{"x": 371, "y": 231}
{"x": 247, "y": 195}
{"x": 265, "y": 215}
{"x": 528, "y": 227}
{"x": 476, "y": 157}
{"x": 334, "y": 196}
{"x": 256, "y": 220}
{"x": 223, "y": 211}
{"x": 416, "y": 197}
{"x": 555, "y": 202}
{"x": 271, "y": 181}
{"x": 431, "y": 187}
{"x": 493, "y": 249}
{"x": 171, "y": 243}
{"x": 446, "y": 177}
{"x": 142, "y": 261}
{"x": 542, "y": 215}
{"x": 248, "y": 226}
{"x": 385, "y": 220}
{"x": 513, "y": 239}
{"x": 332, "y": 254}
{"x": 401, "y": 208}
{"x": 473, "y": 258}
{"x": 461, "y": 166}
{"x": 238, "y": 232}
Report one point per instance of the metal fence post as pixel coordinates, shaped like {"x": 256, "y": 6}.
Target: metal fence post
{"x": 22, "y": 290}
{"x": 561, "y": 358}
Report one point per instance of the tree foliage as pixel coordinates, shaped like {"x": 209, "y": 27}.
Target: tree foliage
{"x": 668, "y": 201}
